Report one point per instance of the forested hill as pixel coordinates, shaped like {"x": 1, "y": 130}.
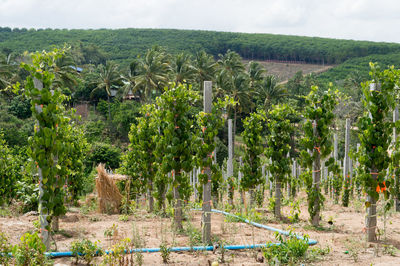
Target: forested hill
{"x": 124, "y": 44}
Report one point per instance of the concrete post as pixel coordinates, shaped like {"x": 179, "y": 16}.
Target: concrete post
{"x": 346, "y": 164}
{"x": 230, "y": 158}
{"x": 43, "y": 213}
{"x": 396, "y": 177}
{"x": 371, "y": 219}
{"x": 239, "y": 180}
{"x": 316, "y": 175}
{"x": 206, "y": 217}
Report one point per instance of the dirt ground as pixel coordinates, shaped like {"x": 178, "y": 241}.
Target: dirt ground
{"x": 285, "y": 71}
{"x": 344, "y": 238}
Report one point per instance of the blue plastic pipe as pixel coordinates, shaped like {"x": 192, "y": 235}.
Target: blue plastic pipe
{"x": 201, "y": 248}
{"x": 310, "y": 241}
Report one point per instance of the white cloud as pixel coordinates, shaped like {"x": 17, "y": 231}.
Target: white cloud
{"x": 356, "y": 19}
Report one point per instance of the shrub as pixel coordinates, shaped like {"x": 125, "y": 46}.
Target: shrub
{"x": 104, "y": 153}
{"x": 5, "y": 248}
{"x": 28, "y": 193}
{"x": 289, "y": 251}
{"x": 20, "y": 107}
{"x": 85, "y": 250}
{"x": 30, "y": 251}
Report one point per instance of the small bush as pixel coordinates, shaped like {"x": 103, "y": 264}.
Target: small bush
{"x": 85, "y": 250}
{"x": 116, "y": 256}
{"x": 30, "y": 251}
{"x": 5, "y": 248}
{"x": 123, "y": 218}
{"x": 165, "y": 252}
{"x": 104, "y": 153}
{"x": 290, "y": 249}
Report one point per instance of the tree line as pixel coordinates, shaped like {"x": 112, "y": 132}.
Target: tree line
{"x": 123, "y": 45}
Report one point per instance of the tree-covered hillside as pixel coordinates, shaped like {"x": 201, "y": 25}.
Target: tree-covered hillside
{"x": 123, "y": 45}
{"x": 359, "y": 67}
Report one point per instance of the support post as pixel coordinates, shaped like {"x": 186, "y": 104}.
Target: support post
{"x": 206, "y": 217}
{"x": 316, "y": 175}
{"x": 346, "y": 165}
{"x": 294, "y": 174}
{"x": 230, "y": 159}
{"x": 43, "y": 212}
{"x": 396, "y": 176}
{"x": 371, "y": 219}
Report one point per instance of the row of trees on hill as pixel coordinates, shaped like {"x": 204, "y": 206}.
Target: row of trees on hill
{"x": 125, "y": 44}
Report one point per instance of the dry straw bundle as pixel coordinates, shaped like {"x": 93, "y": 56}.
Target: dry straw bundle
{"x": 109, "y": 196}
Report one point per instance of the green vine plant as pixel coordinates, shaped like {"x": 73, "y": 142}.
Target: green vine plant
{"x": 280, "y": 129}
{"x": 140, "y": 161}
{"x": 52, "y": 143}
{"x": 375, "y": 138}
{"x": 317, "y": 143}
{"x": 252, "y": 138}
{"x": 337, "y": 178}
{"x": 175, "y": 145}
{"x": 208, "y": 125}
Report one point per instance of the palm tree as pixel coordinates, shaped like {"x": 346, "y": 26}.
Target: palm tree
{"x": 234, "y": 82}
{"x": 237, "y": 87}
{"x": 230, "y": 63}
{"x": 65, "y": 72}
{"x": 270, "y": 92}
{"x": 108, "y": 77}
{"x": 130, "y": 79}
{"x": 153, "y": 72}
{"x": 182, "y": 69}
{"x": 205, "y": 68}
{"x": 7, "y": 71}
{"x": 256, "y": 73}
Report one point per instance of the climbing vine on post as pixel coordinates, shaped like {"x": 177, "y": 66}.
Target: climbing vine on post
{"x": 176, "y": 118}
{"x": 208, "y": 124}
{"x": 317, "y": 139}
{"x": 140, "y": 158}
{"x": 375, "y": 138}
{"x": 48, "y": 146}
{"x": 252, "y": 138}
{"x": 280, "y": 129}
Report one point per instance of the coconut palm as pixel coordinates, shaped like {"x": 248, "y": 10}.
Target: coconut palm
{"x": 108, "y": 76}
{"x": 7, "y": 71}
{"x": 65, "y": 73}
{"x": 238, "y": 88}
{"x": 182, "y": 69}
{"x": 153, "y": 72}
{"x": 130, "y": 79}
{"x": 256, "y": 73}
{"x": 270, "y": 92}
{"x": 230, "y": 63}
{"x": 205, "y": 67}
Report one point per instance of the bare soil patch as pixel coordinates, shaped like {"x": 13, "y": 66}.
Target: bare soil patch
{"x": 285, "y": 71}
{"x": 344, "y": 237}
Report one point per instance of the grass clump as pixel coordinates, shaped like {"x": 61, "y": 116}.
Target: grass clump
{"x": 290, "y": 250}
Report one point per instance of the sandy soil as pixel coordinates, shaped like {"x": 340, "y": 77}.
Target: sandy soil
{"x": 285, "y": 71}
{"x": 345, "y": 237}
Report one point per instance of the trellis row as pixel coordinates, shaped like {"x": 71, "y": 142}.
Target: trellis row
{"x": 396, "y": 199}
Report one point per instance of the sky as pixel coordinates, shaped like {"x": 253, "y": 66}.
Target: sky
{"x": 374, "y": 20}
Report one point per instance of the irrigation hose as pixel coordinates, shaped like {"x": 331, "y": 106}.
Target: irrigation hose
{"x": 201, "y": 248}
